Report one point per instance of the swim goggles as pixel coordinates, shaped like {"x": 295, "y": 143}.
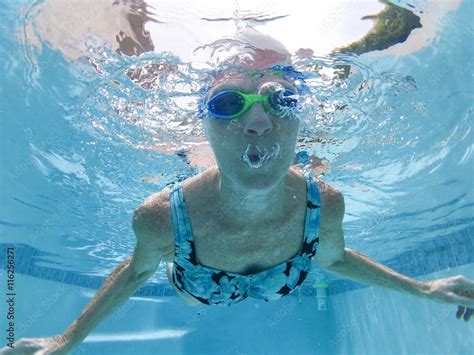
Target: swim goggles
{"x": 286, "y": 72}
{"x": 230, "y": 104}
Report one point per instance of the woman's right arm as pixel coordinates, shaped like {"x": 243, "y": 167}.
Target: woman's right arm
{"x": 122, "y": 283}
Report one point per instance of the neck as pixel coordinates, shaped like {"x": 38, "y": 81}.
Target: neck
{"x": 253, "y": 206}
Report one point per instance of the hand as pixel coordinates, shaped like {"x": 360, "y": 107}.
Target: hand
{"x": 317, "y": 165}
{"x": 36, "y": 346}
{"x": 456, "y": 289}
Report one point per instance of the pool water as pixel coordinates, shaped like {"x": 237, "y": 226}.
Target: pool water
{"x": 88, "y": 132}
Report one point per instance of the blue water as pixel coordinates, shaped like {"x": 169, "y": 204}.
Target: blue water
{"x": 77, "y": 157}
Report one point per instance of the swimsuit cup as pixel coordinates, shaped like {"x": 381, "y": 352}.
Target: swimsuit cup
{"x": 216, "y": 287}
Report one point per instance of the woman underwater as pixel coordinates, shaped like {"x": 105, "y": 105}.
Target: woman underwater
{"x": 250, "y": 226}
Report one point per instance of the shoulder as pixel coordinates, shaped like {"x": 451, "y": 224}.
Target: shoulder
{"x": 153, "y": 226}
{"x": 332, "y": 204}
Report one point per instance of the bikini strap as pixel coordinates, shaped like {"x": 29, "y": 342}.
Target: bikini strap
{"x": 181, "y": 222}
{"x": 313, "y": 207}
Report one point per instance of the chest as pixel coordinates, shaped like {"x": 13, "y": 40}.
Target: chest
{"x": 248, "y": 250}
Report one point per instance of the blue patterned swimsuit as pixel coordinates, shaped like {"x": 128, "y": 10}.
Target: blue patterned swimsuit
{"x": 216, "y": 287}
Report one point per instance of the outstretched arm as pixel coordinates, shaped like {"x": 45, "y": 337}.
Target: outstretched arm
{"x": 122, "y": 283}
{"x": 335, "y": 257}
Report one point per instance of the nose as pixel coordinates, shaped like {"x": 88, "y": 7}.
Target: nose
{"x": 257, "y": 122}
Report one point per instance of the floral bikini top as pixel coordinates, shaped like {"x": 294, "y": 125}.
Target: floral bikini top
{"x": 216, "y": 287}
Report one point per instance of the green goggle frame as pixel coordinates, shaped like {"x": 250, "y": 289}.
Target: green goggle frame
{"x": 230, "y": 104}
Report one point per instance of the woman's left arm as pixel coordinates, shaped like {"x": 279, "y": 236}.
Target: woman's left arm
{"x": 333, "y": 256}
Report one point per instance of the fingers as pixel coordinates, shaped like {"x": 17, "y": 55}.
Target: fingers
{"x": 453, "y": 297}
{"x": 468, "y": 314}
{"x": 466, "y": 311}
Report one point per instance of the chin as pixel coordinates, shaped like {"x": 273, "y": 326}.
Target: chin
{"x": 258, "y": 178}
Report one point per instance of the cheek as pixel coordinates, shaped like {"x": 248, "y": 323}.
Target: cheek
{"x": 222, "y": 135}
{"x": 218, "y": 130}
{"x": 289, "y": 129}
{"x": 212, "y": 129}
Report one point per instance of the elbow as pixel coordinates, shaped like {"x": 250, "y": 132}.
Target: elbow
{"x": 139, "y": 276}
{"x": 332, "y": 262}
{"x": 330, "y": 266}
{"x": 135, "y": 275}
{"x": 138, "y": 279}
{"x": 144, "y": 273}
{"x": 143, "y": 276}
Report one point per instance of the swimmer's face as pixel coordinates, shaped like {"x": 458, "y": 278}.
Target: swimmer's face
{"x": 256, "y": 149}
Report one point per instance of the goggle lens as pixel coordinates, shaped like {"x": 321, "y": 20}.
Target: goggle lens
{"x": 282, "y": 99}
{"x": 226, "y": 104}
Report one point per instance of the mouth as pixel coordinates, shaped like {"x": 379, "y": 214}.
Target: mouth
{"x": 256, "y": 156}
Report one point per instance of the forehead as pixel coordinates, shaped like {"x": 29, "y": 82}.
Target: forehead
{"x": 247, "y": 80}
